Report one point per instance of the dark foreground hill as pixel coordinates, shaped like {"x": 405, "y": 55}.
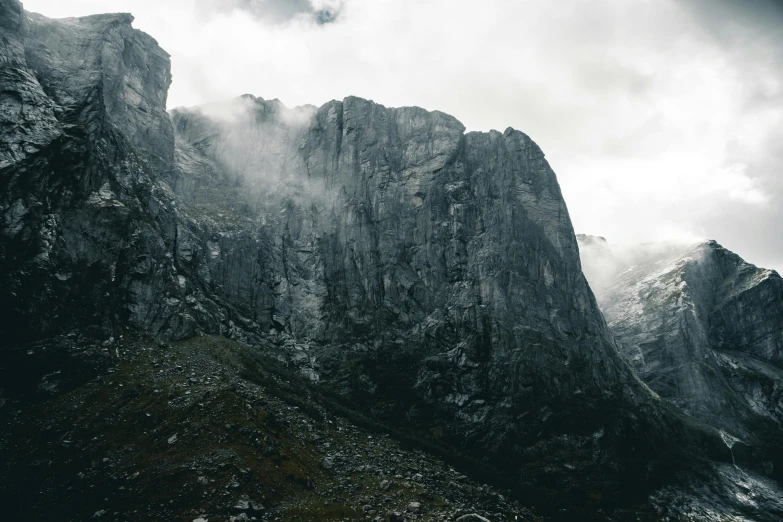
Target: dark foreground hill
{"x": 208, "y": 428}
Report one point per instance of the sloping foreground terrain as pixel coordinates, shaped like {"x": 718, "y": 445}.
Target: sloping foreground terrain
{"x": 428, "y": 276}
{"x": 206, "y": 428}
{"x": 704, "y": 329}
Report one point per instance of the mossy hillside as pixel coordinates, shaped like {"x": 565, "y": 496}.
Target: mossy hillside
{"x": 173, "y": 432}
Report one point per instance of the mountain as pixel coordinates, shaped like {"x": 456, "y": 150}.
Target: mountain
{"x": 427, "y": 276}
{"x": 704, "y": 329}
{"x": 208, "y": 429}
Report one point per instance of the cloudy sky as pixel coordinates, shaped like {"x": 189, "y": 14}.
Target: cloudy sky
{"x": 662, "y": 118}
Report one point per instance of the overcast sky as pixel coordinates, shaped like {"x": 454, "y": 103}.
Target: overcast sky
{"x": 662, "y": 118}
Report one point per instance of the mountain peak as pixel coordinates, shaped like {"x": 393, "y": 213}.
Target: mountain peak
{"x": 702, "y": 327}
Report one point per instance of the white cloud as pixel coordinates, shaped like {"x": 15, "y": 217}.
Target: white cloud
{"x": 657, "y": 116}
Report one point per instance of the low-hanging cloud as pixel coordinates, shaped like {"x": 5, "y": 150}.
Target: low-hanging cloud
{"x": 279, "y": 11}
{"x": 256, "y": 144}
{"x": 663, "y": 120}
{"x": 604, "y": 264}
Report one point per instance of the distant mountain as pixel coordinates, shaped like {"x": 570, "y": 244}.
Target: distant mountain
{"x": 704, "y": 329}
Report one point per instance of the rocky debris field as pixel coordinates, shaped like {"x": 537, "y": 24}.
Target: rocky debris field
{"x": 203, "y": 430}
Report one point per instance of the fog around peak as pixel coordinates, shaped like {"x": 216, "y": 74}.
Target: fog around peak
{"x": 253, "y": 141}
{"x": 603, "y": 262}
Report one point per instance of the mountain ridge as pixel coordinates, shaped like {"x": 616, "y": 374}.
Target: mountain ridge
{"x": 429, "y": 275}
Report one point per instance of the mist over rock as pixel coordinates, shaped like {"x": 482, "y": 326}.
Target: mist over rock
{"x": 672, "y": 308}
{"x": 605, "y": 264}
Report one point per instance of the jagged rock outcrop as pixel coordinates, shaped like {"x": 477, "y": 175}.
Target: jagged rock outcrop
{"x": 704, "y": 329}
{"x": 86, "y": 227}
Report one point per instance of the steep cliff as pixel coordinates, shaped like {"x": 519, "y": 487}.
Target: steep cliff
{"x": 86, "y": 128}
{"x": 430, "y": 276}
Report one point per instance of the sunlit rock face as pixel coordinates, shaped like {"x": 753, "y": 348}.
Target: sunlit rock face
{"x": 703, "y": 328}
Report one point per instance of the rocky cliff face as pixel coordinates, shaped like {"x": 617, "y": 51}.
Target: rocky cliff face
{"x": 402, "y": 253}
{"x": 429, "y": 275}
{"x": 85, "y": 127}
{"x": 704, "y": 329}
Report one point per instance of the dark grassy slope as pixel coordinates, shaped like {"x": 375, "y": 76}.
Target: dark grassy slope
{"x": 85, "y": 441}
{"x": 243, "y": 429}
